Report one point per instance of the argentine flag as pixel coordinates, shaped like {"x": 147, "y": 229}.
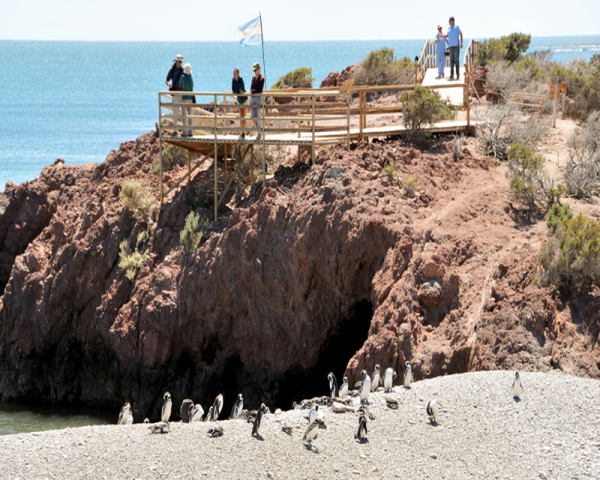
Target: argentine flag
{"x": 251, "y": 33}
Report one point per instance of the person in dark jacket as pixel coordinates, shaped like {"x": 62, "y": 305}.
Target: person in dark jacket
{"x": 186, "y": 84}
{"x": 258, "y": 84}
{"x": 173, "y": 81}
{"x": 238, "y": 86}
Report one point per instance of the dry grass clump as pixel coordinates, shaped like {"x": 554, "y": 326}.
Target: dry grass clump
{"x": 582, "y": 172}
{"x": 132, "y": 260}
{"x": 137, "y": 199}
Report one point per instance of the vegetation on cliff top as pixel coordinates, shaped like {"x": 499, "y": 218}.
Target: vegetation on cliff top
{"x": 381, "y": 67}
{"x": 299, "y": 78}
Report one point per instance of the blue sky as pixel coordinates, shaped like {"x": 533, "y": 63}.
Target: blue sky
{"x": 202, "y": 20}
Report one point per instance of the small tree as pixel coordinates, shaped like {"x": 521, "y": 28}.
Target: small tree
{"x": 299, "y": 78}
{"x": 509, "y": 48}
{"x": 424, "y": 106}
{"x": 193, "y": 231}
{"x": 381, "y": 67}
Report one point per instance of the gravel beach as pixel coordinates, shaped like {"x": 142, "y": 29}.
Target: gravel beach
{"x": 552, "y": 433}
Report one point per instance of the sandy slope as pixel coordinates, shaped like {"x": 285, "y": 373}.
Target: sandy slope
{"x": 554, "y": 432}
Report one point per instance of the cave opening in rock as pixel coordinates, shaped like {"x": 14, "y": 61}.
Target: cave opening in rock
{"x": 334, "y": 357}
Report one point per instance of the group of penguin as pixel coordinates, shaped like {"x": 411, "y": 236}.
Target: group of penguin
{"x": 195, "y": 413}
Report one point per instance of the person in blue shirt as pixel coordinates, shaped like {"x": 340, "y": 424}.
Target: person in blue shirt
{"x": 173, "y": 81}
{"x": 455, "y": 41}
{"x": 441, "y": 41}
{"x": 186, "y": 84}
{"x": 238, "y": 86}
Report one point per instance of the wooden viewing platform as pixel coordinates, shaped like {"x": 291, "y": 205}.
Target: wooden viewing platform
{"x": 306, "y": 118}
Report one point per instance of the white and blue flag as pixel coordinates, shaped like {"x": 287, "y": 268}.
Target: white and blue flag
{"x": 251, "y": 33}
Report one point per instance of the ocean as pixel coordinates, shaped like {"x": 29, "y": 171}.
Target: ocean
{"x": 80, "y": 100}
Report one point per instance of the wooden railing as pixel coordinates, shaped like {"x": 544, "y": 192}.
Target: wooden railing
{"x": 428, "y": 59}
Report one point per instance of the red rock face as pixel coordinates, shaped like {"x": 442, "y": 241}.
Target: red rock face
{"x": 330, "y": 267}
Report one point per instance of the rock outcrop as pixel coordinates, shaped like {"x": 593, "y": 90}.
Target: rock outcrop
{"x": 328, "y": 268}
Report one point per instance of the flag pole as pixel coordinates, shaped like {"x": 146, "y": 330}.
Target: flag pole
{"x": 262, "y": 39}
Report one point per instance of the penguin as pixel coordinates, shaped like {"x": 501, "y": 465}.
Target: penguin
{"x": 344, "y": 388}
{"x": 258, "y": 420}
{"x": 362, "y": 428}
{"x": 217, "y": 407}
{"x": 216, "y": 431}
{"x": 187, "y": 407}
{"x": 313, "y": 415}
{"x": 166, "y": 408}
{"x": 130, "y": 419}
{"x": 375, "y": 380}
{"x": 160, "y": 427}
{"x": 146, "y": 420}
{"x": 237, "y": 408}
{"x": 433, "y": 409}
{"x": 209, "y": 415}
{"x": 517, "y": 386}
{"x": 312, "y": 430}
{"x": 124, "y": 414}
{"x": 392, "y": 403}
{"x": 365, "y": 388}
{"x": 197, "y": 413}
{"x": 287, "y": 428}
{"x": 408, "y": 377}
{"x": 333, "y": 385}
{"x": 388, "y": 379}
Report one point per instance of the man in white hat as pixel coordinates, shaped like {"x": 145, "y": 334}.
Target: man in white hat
{"x": 173, "y": 81}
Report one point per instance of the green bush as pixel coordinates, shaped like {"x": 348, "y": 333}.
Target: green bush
{"x": 410, "y": 184}
{"x": 381, "y": 67}
{"x": 132, "y": 260}
{"x": 424, "y": 106}
{"x": 389, "y": 169}
{"x": 138, "y": 199}
{"x": 571, "y": 257}
{"x": 509, "y": 48}
{"x": 557, "y": 214}
{"x": 193, "y": 231}
{"x": 299, "y": 78}
{"x": 582, "y": 172}
{"x": 172, "y": 156}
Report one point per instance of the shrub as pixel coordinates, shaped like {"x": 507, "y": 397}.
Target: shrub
{"x": 582, "y": 172}
{"x": 381, "y": 67}
{"x": 389, "y": 170}
{"x": 193, "y": 231}
{"x": 557, "y": 214}
{"x": 132, "y": 260}
{"x": 504, "y": 80}
{"x": 137, "y": 199}
{"x": 172, "y": 156}
{"x": 299, "y": 78}
{"x": 509, "y": 48}
{"x": 410, "y": 184}
{"x": 424, "y": 106}
{"x": 571, "y": 257}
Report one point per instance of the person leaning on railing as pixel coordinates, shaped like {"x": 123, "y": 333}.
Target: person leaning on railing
{"x": 186, "y": 84}
{"x": 455, "y": 40}
{"x": 173, "y": 80}
{"x": 238, "y": 86}
{"x": 258, "y": 84}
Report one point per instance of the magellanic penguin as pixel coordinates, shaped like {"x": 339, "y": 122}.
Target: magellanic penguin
{"x": 130, "y": 419}
{"x": 362, "y": 427}
{"x": 187, "y": 407}
{"x": 365, "y": 388}
{"x": 124, "y": 414}
{"x": 258, "y": 421}
{"x": 312, "y": 430}
{"x": 388, "y": 379}
{"x": 408, "y": 377}
{"x": 375, "y": 379}
{"x": 217, "y": 407}
{"x": 517, "y": 386}
{"x": 197, "y": 413}
{"x": 166, "y": 408}
{"x": 209, "y": 415}
{"x": 146, "y": 420}
{"x": 433, "y": 409}
{"x": 344, "y": 388}
{"x": 237, "y": 408}
{"x": 313, "y": 414}
{"x": 160, "y": 427}
{"x": 333, "y": 385}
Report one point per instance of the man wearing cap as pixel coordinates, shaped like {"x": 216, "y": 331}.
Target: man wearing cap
{"x": 173, "y": 82}
{"x": 455, "y": 42}
{"x": 258, "y": 84}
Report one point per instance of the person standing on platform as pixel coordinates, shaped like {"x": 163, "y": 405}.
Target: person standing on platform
{"x": 258, "y": 84}
{"x": 455, "y": 40}
{"x": 238, "y": 86}
{"x": 173, "y": 81}
{"x": 186, "y": 84}
{"x": 441, "y": 41}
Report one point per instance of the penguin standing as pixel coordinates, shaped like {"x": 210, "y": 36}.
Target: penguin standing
{"x": 197, "y": 413}
{"x": 344, "y": 388}
{"x": 130, "y": 419}
{"x": 124, "y": 414}
{"x": 362, "y": 427}
{"x": 217, "y": 407}
{"x": 258, "y": 421}
{"x": 313, "y": 414}
{"x": 433, "y": 409}
{"x": 517, "y": 386}
{"x": 365, "y": 388}
{"x": 388, "y": 379}
{"x": 165, "y": 414}
{"x": 209, "y": 415}
{"x": 408, "y": 377}
{"x": 187, "y": 407}
{"x": 237, "y": 408}
{"x": 312, "y": 430}
{"x": 333, "y": 385}
{"x": 375, "y": 380}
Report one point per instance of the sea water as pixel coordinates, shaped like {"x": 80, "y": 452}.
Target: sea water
{"x": 80, "y": 100}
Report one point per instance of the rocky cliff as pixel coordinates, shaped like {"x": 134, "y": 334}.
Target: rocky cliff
{"x": 333, "y": 267}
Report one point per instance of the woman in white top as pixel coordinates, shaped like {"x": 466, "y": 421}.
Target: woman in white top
{"x": 441, "y": 41}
